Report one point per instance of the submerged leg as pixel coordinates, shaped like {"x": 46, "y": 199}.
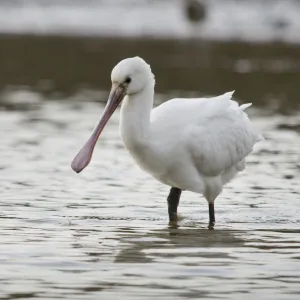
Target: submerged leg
{"x": 173, "y": 201}
{"x": 213, "y": 189}
{"x": 211, "y": 209}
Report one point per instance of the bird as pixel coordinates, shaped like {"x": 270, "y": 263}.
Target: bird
{"x": 188, "y": 144}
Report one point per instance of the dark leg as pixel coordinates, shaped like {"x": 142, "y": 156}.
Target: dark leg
{"x": 173, "y": 201}
{"x": 211, "y": 208}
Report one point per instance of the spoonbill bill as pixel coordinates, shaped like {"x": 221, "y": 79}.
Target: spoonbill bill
{"x": 196, "y": 145}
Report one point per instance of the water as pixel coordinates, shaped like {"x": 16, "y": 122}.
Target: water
{"x": 249, "y": 20}
{"x": 263, "y": 74}
{"x": 104, "y": 234}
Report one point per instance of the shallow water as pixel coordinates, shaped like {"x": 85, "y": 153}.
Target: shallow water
{"x": 104, "y": 234}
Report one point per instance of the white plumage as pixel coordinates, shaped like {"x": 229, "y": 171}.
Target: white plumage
{"x": 195, "y": 144}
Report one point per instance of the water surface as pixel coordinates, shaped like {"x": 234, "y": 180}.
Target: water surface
{"x": 104, "y": 234}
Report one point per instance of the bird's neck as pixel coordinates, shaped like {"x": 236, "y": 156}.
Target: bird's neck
{"x": 135, "y": 117}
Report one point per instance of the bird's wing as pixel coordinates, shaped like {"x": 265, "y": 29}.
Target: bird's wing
{"x": 215, "y": 131}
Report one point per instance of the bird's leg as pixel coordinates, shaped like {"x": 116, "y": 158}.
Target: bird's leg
{"x": 173, "y": 201}
{"x": 211, "y": 209}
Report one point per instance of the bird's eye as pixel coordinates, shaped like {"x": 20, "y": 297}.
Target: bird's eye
{"x": 127, "y": 80}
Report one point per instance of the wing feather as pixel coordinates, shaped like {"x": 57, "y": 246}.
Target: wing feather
{"x": 223, "y": 139}
{"x": 215, "y": 132}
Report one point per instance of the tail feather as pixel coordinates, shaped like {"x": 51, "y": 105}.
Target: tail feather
{"x": 245, "y": 106}
{"x": 260, "y": 138}
{"x": 229, "y": 94}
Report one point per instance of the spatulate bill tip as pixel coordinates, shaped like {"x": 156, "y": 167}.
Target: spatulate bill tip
{"x": 75, "y": 168}
{"x": 78, "y": 164}
{"x": 83, "y": 157}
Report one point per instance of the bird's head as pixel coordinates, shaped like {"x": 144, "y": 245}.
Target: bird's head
{"x": 131, "y": 75}
{"x": 128, "y": 77}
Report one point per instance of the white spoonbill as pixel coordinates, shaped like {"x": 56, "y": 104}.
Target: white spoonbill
{"x": 197, "y": 145}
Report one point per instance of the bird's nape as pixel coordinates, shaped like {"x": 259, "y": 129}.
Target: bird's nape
{"x": 84, "y": 156}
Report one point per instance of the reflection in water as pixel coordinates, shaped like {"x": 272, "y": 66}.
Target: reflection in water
{"x": 105, "y": 234}
{"x": 170, "y": 241}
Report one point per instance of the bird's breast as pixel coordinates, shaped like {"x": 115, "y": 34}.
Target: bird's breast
{"x": 147, "y": 157}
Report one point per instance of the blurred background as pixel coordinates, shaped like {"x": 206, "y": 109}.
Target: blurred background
{"x": 212, "y": 46}
{"x": 104, "y": 233}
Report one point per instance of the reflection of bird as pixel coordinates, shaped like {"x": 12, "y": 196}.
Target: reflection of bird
{"x": 189, "y": 144}
{"x": 169, "y": 242}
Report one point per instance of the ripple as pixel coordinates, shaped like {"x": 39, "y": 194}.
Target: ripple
{"x": 105, "y": 233}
